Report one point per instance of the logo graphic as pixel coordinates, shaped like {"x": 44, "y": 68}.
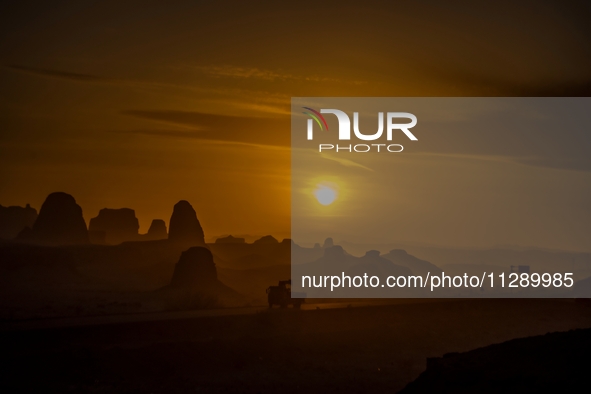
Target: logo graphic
{"x": 315, "y": 116}
{"x": 345, "y": 124}
{"x": 344, "y": 133}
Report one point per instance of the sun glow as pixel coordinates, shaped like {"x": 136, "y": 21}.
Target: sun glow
{"x": 325, "y": 195}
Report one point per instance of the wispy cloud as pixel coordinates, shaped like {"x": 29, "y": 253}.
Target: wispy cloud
{"x": 242, "y": 72}
{"x": 345, "y": 162}
{"x": 572, "y": 163}
{"x": 267, "y": 75}
{"x": 198, "y": 135}
{"x": 56, "y": 73}
{"x": 262, "y": 102}
{"x": 252, "y": 130}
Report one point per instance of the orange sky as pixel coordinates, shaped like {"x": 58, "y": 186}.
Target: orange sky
{"x": 142, "y": 104}
{"x": 483, "y": 172}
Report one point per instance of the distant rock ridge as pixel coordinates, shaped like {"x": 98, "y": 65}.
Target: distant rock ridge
{"x": 119, "y": 225}
{"x": 184, "y": 227}
{"x": 334, "y": 252}
{"x": 374, "y": 264}
{"x": 60, "y": 222}
{"x": 14, "y": 219}
{"x": 417, "y": 266}
{"x": 230, "y": 240}
{"x": 328, "y": 243}
{"x": 372, "y": 253}
{"x": 267, "y": 239}
{"x": 333, "y": 260}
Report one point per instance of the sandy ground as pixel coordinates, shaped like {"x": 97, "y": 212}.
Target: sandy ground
{"x": 353, "y": 349}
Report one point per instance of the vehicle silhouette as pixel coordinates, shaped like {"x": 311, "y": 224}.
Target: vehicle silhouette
{"x": 281, "y": 295}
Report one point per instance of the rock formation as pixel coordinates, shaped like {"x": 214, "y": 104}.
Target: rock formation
{"x": 335, "y": 259}
{"x": 195, "y": 269}
{"x": 157, "y": 230}
{"x": 416, "y": 265}
{"x": 373, "y": 264}
{"x": 195, "y": 283}
{"x": 301, "y": 255}
{"x": 267, "y": 239}
{"x": 119, "y": 225}
{"x": 372, "y": 254}
{"x": 230, "y": 240}
{"x": 97, "y": 237}
{"x": 26, "y": 234}
{"x": 335, "y": 252}
{"x": 184, "y": 227}
{"x": 14, "y": 219}
{"x": 60, "y": 222}
{"x": 328, "y": 243}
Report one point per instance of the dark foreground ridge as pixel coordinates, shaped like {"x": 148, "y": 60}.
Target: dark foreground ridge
{"x": 377, "y": 349}
{"x": 551, "y": 363}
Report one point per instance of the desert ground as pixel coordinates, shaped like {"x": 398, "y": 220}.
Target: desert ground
{"x": 358, "y": 348}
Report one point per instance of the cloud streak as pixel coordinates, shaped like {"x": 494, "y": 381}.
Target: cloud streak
{"x": 263, "y": 102}
{"x": 240, "y": 129}
{"x": 261, "y": 74}
{"x": 345, "y": 162}
{"x": 56, "y": 73}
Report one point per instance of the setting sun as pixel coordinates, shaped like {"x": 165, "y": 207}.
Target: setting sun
{"x": 325, "y": 194}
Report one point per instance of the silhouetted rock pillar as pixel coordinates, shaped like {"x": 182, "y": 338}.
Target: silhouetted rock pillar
{"x": 195, "y": 269}
{"x": 119, "y": 225}
{"x": 157, "y": 230}
{"x": 184, "y": 227}
{"x": 60, "y": 222}
{"x": 13, "y": 220}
